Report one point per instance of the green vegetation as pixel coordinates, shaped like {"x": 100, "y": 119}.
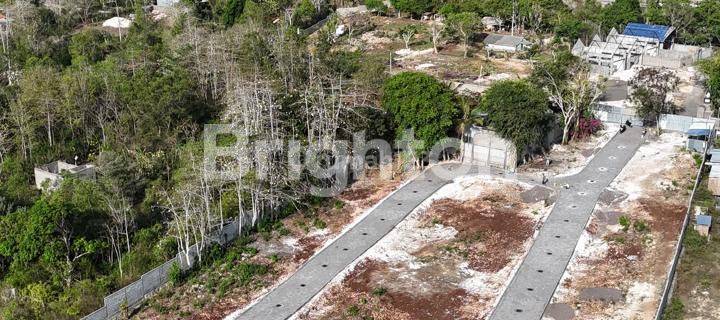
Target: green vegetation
{"x": 674, "y": 310}
{"x": 414, "y": 7}
{"x": 419, "y": 102}
{"x": 711, "y": 67}
{"x": 519, "y": 111}
{"x": 135, "y": 103}
{"x": 698, "y": 268}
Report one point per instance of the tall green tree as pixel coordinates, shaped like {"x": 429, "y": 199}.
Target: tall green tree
{"x": 414, "y": 7}
{"x": 420, "y": 102}
{"x": 651, "y": 87}
{"x": 566, "y": 80}
{"x": 620, "y": 13}
{"x": 464, "y": 25}
{"x": 233, "y": 10}
{"x": 711, "y": 68}
{"x": 519, "y": 111}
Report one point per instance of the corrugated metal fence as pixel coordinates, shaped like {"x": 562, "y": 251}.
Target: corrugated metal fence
{"x": 134, "y": 293}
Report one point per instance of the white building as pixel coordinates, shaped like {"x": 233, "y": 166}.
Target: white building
{"x": 49, "y": 176}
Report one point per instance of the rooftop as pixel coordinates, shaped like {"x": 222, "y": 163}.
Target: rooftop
{"x": 704, "y": 220}
{"x": 504, "y": 40}
{"x": 654, "y": 31}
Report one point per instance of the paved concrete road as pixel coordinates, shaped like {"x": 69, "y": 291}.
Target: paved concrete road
{"x": 291, "y": 295}
{"x": 539, "y": 274}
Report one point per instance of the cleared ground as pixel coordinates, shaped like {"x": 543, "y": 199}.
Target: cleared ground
{"x": 450, "y": 259}
{"x": 620, "y": 264}
{"x": 251, "y": 269}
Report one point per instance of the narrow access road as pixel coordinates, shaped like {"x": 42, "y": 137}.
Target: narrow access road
{"x": 539, "y": 274}
{"x": 285, "y": 300}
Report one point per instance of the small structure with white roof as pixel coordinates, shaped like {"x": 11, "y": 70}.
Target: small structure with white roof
{"x": 167, "y": 3}
{"x": 117, "y": 23}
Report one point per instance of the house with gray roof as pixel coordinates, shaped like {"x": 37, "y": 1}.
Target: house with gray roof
{"x": 505, "y": 43}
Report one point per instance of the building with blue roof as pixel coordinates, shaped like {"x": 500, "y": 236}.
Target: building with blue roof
{"x": 699, "y": 133}
{"x": 659, "y": 33}
{"x": 703, "y": 224}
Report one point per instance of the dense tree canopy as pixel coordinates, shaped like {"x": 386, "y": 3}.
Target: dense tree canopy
{"x": 711, "y": 68}
{"x": 518, "y": 111}
{"x": 420, "y": 102}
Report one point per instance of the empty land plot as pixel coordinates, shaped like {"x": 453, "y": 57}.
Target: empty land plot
{"x": 621, "y": 261}
{"x": 449, "y": 259}
{"x": 247, "y": 271}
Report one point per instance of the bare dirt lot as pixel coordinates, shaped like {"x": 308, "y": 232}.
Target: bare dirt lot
{"x": 249, "y": 270}
{"x": 621, "y": 261}
{"x": 450, "y": 259}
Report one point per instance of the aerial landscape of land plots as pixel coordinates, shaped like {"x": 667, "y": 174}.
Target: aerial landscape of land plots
{"x": 360, "y": 160}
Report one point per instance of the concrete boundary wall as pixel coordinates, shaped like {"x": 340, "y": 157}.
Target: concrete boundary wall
{"x": 670, "y": 278}
{"x": 133, "y": 294}
{"x": 674, "y": 122}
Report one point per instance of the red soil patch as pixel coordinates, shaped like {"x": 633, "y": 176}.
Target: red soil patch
{"x": 358, "y": 193}
{"x": 667, "y": 218}
{"x": 621, "y": 251}
{"x": 308, "y": 246}
{"x": 492, "y": 228}
{"x": 417, "y": 305}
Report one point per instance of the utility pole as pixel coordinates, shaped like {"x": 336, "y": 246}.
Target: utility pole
{"x": 514, "y": 13}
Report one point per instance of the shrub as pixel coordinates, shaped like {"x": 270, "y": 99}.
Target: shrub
{"x": 224, "y": 286}
{"x": 698, "y": 159}
{"x": 245, "y": 272}
{"x": 353, "y": 311}
{"x": 674, "y": 311}
{"x": 624, "y": 222}
{"x": 381, "y": 291}
{"x": 693, "y": 240}
{"x": 175, "y": 274}
{"x": 376, "y": 6}
{"x": 640, "y": 226}
{"x": 319, "y": 223}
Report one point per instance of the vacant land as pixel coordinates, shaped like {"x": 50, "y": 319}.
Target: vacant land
{"x": 621, "y": 262}
{"x": 380, "y": 36}
{"x": 252, "y": 267}
{"x": 450, "y": 259}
